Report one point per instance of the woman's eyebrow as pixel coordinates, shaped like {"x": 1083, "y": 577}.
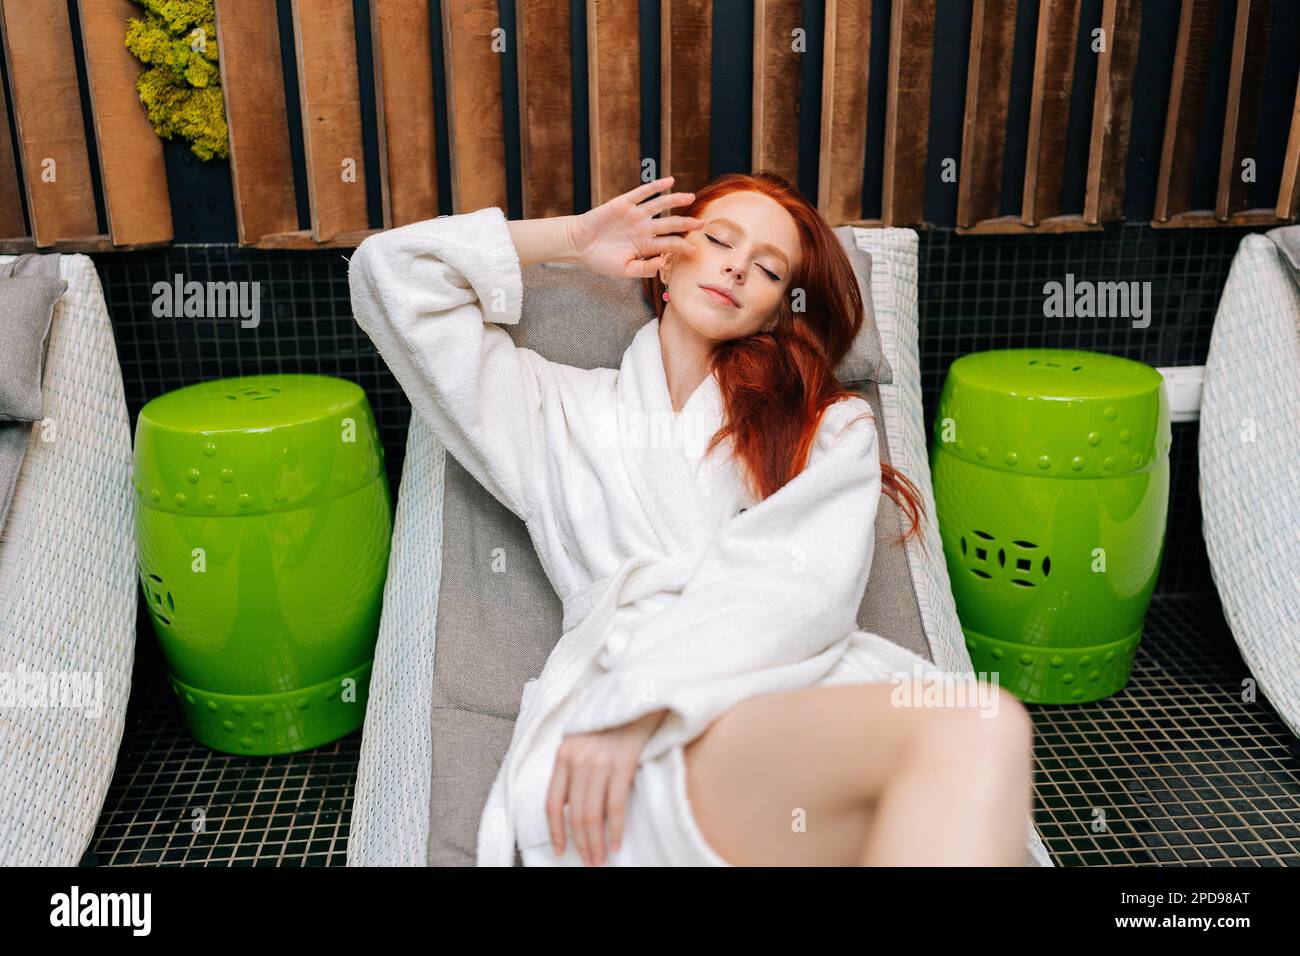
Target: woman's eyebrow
{"x": 763, "y": 245}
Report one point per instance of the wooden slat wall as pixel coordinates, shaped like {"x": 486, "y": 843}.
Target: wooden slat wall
{"x": 1186, "y": 107}
{"x": 130, "y": 153}
{"x": 685, "y": 78}
{"x": 1241, "y": 116}
{"x": 545, "y": 108}
{"x": 844, "y": 110}
{"x": 1049, "y": 109}
{"x": 47, "y": 112}
{"x": 329, "y": 92}
{"x": 907, "y": 112}
{"x": 1112, "y": 111}
{"x": 776, "y": 87}
{"x": 1288, "y": 200}
{"x": 475, "y": 118}
{"x": 252, "y": 82}
{"x": 614, "y": 98}
{"x": 12, "y": 222}
{"x": 408, "y": 159}
{"x": 988, "y": 90}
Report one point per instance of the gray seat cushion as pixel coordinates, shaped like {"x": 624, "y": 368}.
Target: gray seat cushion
{"x": 495, "y": 631}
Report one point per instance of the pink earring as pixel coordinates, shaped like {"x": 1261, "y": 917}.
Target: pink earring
{"x": 665, "y": 293}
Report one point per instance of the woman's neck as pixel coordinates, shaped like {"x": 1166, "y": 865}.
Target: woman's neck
{"x": 686, "y": 359}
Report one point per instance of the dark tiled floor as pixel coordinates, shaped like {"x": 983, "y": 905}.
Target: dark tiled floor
{"x": 175, "y": 801}
{"x": 1174, "y": 770}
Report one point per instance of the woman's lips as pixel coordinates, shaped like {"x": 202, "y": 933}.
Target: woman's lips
{"x": 719, "y": 297}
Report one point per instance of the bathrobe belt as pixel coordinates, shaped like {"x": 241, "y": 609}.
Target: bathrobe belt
{"x": 636, "y": 579}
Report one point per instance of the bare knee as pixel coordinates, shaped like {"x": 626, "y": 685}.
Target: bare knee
{"x": 997, "y": 735}
{"x": 1009, "y": 720}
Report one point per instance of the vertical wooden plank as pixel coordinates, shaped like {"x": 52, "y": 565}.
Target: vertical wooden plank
{"x": 545, "y": 107}
{"x": 408, "y": 159}
{"x": 329, "y": 91}
{"x": 614, "y": 97}
{"x": 48, "y": 117}
{"x": 252, "y": 82}
{"x": 776, "y": 87}
{"x": 1241, "y": 115}
{"x": 907, "y": 111}
{"x": 844, "y": 110}
{"x": 475, "y": 114}
{"x": 12, "y": 223}
{"x": 685, "y": 78}
{"x": 1049, "y": 109}
{"x": 1112, "y": 111}
{"x": 131, "y": 166}
{"x": 1288, "y": 196}
{"x": 988, "y": 92}
{"x": 1186, "y": 107}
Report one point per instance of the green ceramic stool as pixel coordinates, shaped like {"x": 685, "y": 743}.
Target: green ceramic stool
{"x": 1051, "y": 478}
{"x": 263, "y": 521}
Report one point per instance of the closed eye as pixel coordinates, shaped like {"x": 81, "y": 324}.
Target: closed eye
{"x": 770, "y": 274}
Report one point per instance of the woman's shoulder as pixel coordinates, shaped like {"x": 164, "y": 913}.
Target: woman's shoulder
{"x": 847, "y": 427}
{"x": 850, "y": 411}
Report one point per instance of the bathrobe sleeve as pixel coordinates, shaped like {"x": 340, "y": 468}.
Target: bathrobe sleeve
{"x": 432, "y": 296}
{"x": 769, "y": 607}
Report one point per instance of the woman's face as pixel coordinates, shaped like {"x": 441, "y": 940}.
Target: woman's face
{"x": 749, "y": 246}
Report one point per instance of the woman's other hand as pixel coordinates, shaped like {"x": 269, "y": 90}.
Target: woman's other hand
{"x": 624, "y": 238}
{"x": 593, "y": 775}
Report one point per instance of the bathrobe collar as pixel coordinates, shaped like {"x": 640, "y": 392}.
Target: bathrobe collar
{"x": 665, "y": 458}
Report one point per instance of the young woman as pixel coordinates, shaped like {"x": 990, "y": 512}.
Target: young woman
{"x": 706, "y": 514}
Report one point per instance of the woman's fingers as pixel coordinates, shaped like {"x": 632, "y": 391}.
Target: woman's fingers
{"x": 555, "y": 805}
{"x": 662, "y": 245}
{"x": 675, "y": 224}
{"x": 644, "y": 268}
{"x": 620, "y": 786}
{"x": 578, "y": 807}
{"x": 663, "y": 203}
{"x": 594, "y": 783}
{"x": 645, "y": 190}
{"x": 594, "y": 820}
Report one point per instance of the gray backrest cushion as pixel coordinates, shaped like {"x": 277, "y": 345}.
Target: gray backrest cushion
{"x": 889, "y": 606}
{"x": 30, "y": 288}
{"x": 1287, "y": 239}
{"x": 496, "y": 625}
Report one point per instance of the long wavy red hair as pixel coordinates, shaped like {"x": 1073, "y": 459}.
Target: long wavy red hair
{"x": 776, "y": 385}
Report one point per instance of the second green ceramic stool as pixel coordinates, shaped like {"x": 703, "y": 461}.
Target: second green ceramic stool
{"x": 1051, "y": 474}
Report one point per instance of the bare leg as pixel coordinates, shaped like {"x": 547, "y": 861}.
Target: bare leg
{"x": 840, "y": 775}
{"x": 961, "y": 797}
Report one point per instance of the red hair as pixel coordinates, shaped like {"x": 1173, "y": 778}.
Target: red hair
{"x": 776, "y": 385}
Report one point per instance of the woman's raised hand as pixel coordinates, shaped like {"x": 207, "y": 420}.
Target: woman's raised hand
{"x": 624, "y": 238}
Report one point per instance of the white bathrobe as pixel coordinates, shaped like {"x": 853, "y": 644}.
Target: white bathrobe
{"x": 680, "y": 590}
